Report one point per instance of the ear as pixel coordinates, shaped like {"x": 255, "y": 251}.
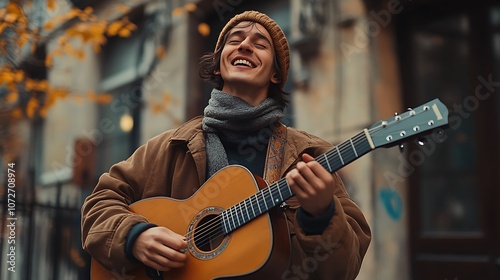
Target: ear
{"x": 217, "y": 72}
{"x": 275, "y": 79}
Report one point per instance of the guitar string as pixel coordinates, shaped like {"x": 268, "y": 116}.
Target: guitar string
{"x": 230, "y": 214}
{"x": 216, "y": 223}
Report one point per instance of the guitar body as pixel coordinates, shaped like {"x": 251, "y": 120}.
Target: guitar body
{"x": 258, "y": 249}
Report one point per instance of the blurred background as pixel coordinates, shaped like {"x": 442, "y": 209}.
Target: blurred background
{"x": 83, "y": 83}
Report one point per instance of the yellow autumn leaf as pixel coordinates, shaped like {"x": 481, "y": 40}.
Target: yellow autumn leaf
{"x": 80, "y": 54}
{"x": 14, "y": 8}
{"x": 43, "y": 85}
{"x": 156, "y": 108}
{"x": 177, "y": 11}
{"x": 10, "y": 18}
{"x": 7, "y": 77}
{"x": 160, "y": 52}
{"x": 88, "y": 10}
{"x": 12, "y": 97}
{"x": 23, "y": 38}
{"x": 104, "y": 98}
{"x": 96, "y": 48}
{"x": 166, "y": 98}
{"x": 124, "y": 33}
{"x": 191, "y": 7}
{"x": 61, "y": 93}
{"x": 49, "y": 59}
{"x": 130, "y": 26}
{"x": 44, "y": 111}
{"x": 114, "y": 27}
{"x": 51, "y": 4}
{"x": 34, "y": 45}
{"x": 19, "y": 75}
{"x": 32, "y": 107}
{"x": 3, "y": 25}
{"x": 67, "y": 49}
{"x": 204, "y": 29}
{"x": 71, "y": 14}
{"x": 17, "y": 113}
{"x": 49, "y": 25}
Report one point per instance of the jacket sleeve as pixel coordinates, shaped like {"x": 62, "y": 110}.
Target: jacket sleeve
{"x": 106, "y": 217}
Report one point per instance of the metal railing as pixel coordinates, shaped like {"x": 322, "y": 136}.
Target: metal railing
{"x": 42, "y": 240}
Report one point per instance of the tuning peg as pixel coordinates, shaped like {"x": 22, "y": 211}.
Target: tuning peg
{"x": 422, "y": 141}
{"x": 397, "y": 117}
{"x": 401, "y": 147}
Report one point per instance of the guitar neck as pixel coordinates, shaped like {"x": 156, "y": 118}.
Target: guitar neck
{"x": 276, "y": 193}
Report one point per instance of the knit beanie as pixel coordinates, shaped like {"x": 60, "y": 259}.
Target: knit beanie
{"x": 277, "y": 35}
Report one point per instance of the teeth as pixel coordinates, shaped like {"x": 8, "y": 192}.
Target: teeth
{"x": 243, "y": 61}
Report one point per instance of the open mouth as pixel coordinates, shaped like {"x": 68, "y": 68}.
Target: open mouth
{"x": 243, "y": 62}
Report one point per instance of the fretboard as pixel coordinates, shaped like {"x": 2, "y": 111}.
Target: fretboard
{"x": 276, "y": 193}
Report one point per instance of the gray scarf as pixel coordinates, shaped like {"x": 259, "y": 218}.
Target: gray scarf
{"x": 233, "y": 118}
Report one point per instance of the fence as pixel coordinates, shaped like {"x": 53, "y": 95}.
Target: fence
{"x": 42, "y": 241}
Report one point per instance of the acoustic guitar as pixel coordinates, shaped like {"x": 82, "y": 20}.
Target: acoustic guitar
{"x": 232, "y": 225}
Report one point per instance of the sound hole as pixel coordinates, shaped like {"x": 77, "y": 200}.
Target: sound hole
{"x": 208, "y": 233}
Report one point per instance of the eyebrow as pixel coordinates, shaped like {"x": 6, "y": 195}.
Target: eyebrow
{"x": 256, "y": 34}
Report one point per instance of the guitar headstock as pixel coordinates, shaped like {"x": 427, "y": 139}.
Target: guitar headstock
{"x": 409, "y": 124}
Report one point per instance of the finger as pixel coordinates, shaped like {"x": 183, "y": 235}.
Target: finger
{"x": 307, "y": 157}
{"x": 311, "y": 182}
{"x": 178, "y": 243}
{"x": 293, "y": 179}
{"x": 169, "y": 254}
{"x": 317, "y": 168}
{"x": 166, "y": 262}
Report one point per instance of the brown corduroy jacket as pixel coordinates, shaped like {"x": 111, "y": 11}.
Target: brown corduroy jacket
{"x": 173, "y": 164}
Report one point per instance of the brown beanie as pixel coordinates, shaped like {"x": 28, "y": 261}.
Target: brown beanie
{"x": 279, "y": 40}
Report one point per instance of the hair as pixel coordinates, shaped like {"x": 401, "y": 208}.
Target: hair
{"x": 210, "y": 63}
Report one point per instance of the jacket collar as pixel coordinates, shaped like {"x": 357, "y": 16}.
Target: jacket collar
{"x": 188, "y": 130}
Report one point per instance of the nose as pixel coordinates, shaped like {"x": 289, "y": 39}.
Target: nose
{"x": 245, "y": 46}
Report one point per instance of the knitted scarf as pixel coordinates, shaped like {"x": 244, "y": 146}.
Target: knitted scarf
{"x": 234, "y": 118}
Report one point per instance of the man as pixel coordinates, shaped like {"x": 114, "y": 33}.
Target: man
{"x": 249, "y": 67}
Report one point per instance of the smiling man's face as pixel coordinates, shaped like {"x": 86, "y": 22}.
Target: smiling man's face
{"x": 247, "y": 62}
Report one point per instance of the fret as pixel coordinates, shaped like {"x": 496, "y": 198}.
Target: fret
{"x": 238, "y": 215}
{"x": 258, "y": 204}
{"x": 232, "y": 217}
{"x": 251, "y": 205}
{"x": 263, "y": 198}
{"x": 224, "y": 221}
{"x": 271, "y": 195}
{"x": 338, "y": 152}
{"x": 279, "y": 191}
{"x": 288, "y": 188}
{"x": 327, "y": 162}
{"x": 246, "y": 208}
{"x": 353, "y": 148}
